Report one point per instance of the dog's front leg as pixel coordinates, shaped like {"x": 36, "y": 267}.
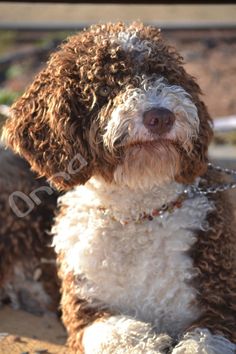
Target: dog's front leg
{"x": 92, "y": 331}
{"x": 202, "y": 341}
{"x": 123, "y": 335}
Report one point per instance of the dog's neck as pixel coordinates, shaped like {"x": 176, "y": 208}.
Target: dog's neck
{"x": 124, "y": 202}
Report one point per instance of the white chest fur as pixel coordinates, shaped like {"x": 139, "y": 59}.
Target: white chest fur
{"x": 139, "y": 269}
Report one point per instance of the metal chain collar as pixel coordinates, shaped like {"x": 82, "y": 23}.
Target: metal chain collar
{"x": 192, "y": 190}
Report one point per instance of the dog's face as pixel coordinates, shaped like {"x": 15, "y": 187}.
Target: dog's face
{"x": 114, "y": 101}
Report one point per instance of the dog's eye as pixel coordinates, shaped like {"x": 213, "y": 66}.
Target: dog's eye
{"x": 104, "y": 91}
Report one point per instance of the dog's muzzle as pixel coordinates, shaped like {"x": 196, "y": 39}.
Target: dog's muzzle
{"x": 158, "y": 120}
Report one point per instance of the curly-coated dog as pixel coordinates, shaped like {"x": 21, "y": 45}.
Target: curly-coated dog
{"x": 146, "y": 266}
{"x": 28, "y": 276}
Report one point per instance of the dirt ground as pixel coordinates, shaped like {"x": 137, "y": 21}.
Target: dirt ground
{"x": 21, "y": 332}
{"x": 210, "y": 58}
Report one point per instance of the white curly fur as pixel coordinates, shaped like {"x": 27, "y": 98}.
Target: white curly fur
{"x": 126, "y": 128}
{"x": 130, "y": 42}
{"x": 120, "y": 334}
{"x": 141, "y": 269}
{"x": 202, "y": 341}
{"x": 153, "y": 91}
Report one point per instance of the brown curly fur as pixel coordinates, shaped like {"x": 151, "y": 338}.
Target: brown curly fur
{"x": 214, "y": 257}
{"x": 24, "y": 241}
{"x": 59, "y": 117}
{"x": 76, "y": 314}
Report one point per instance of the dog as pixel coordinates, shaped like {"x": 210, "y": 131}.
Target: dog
{"x": 28, "y": 274}
{"x": 146, "y": 261}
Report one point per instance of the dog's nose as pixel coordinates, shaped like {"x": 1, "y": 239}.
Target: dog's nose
{"x": 158, "y": 120}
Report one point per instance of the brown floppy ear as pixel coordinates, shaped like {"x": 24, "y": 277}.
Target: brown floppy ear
{"x": 195, "y": 163}
{"x": 49, "y": 128}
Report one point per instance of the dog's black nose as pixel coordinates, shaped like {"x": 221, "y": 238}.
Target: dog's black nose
{"x": 158, "y": 120}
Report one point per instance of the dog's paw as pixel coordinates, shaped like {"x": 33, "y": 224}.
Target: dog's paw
{"x": 201, "y": 341}
{"x": 122, "y": 335}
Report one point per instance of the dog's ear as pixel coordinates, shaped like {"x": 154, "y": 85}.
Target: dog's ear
{"x": 48, "y": 126}
{"x": 194, "y": 164}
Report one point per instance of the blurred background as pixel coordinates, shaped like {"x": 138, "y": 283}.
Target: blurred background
{"x": 205, "y": 35}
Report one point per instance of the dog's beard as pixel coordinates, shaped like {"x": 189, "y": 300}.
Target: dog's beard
{"x": 146, "y": 164}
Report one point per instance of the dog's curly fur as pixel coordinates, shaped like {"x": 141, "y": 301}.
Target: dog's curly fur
{"x": 66, "y": 97}
{"x": 83, "y": 103}
{"x": 28, "y": 277}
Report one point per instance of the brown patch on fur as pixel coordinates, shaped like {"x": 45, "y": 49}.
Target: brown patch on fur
{"x": 194, "y": 164}
{"x": 76, "y": 313}
{"x": 57, "y": 117}
{"x": 214, "y": 257}
{"x": 51, "y": 284}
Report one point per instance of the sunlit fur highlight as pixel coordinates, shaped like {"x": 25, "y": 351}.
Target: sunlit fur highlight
{"x": 131, "y": 42}
{"x": 148, "y": 164}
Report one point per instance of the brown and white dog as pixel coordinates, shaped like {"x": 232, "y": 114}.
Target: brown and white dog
{"x": 145, "y": 267}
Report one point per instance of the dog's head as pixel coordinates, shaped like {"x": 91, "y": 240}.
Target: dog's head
{"x": 113, "y": 101}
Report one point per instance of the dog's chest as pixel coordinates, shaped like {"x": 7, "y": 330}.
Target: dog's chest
{"x": 139, "y": 269}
